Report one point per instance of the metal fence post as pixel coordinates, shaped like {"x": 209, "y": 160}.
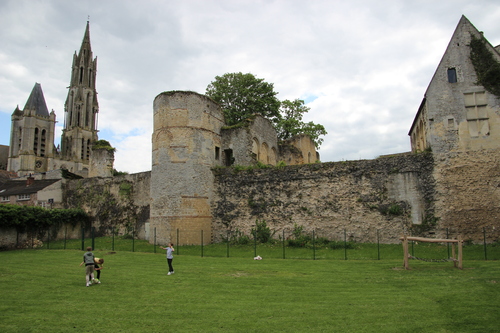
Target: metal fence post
{"x": 83, "y": 238}
{"x": 484, "y": 241}
{"x": 345, "y": 245}
{"x": 255, "y": 242}
{"x": 283, "y": 243}
{"x": 448, "y": 244}
{"x": 133, "y": 240}
{"x": 177, "y": 244}
{"x": 65, "y": 236}
{"x": 202, "y": 243}
{"x": 154, "y": 240}
{"x": 113, "y": 239}
{"x": 314, "y": 247}
{"x": 378, "y": 245}
{"x": 93, "y": 238}
{"x": 227, "y": 239}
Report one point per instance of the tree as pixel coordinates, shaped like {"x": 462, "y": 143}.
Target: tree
{"x": 291, "y": 124}
{"x": 242, "y": 95}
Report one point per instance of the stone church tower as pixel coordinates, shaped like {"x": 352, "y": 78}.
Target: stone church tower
{"x": 81, "y": 107}
{"x": 32, "y": 147}
{"x": 32, "y": 135}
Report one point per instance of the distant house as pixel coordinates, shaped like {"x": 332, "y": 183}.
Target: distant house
{"x": 31, "y": 192}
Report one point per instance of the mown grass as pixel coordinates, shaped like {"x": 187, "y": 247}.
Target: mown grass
{"x": 44, "y": 290}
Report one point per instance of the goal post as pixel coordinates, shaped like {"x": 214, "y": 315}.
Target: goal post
{"x": 457, "y": 262}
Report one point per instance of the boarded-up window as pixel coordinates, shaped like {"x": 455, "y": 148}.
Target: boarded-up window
{"x": 477, "y": 114}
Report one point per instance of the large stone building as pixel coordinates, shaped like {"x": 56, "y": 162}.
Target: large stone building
{"x": 32, "y": 148}
{"x": 459, "y": 121}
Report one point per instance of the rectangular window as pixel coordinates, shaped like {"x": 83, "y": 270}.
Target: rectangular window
{"x": 477, "y": 115}
{"x": 217, "y": 153}
{"x": 452, "y": 75}
{"x": 5, "y": 198}
{"x": 23, "y": 197}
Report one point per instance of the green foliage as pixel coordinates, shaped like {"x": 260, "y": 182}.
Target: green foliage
{"x": 125, "y": 189}
{"x": 237, "y": 238}
{"x": 29, "y": 218}
{"x": 262, "y": 232}
{"x": 242, "y": 95}
{"x": 119, "y": 173}
{"x": 486, "y": 66}
{"x": 290, "y": 123}
{"x": 395, "y": 209}
{"x": 260, "y": 165}
{"x": 103, "y": 144}
{"x": 281, "y": 164}
{"x": 391, "y": 209}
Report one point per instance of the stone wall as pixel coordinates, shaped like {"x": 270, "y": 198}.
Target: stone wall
{"x": 299, "y": 149}
{"x": 387, "y": 196}
{"x": 468, "y": 193}
{"x": 421, "y": 194}
{"x": 119, "y": 202}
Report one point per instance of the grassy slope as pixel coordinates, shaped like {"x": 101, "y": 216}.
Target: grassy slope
{"x": 44, "y": 290}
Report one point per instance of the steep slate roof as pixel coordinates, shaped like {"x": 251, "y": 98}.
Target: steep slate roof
{"x": 16, "y": 187}
{"x": 5, "y": 175}
{"x": 36, "y": 101}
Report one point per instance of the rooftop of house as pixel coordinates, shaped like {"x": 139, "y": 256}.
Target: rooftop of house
{"x": 30, "y": 186}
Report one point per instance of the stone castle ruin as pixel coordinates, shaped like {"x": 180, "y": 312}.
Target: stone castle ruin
{"x": 201, "y": 189}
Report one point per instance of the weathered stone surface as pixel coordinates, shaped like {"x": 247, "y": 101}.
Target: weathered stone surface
{"x": 360, "y": 197}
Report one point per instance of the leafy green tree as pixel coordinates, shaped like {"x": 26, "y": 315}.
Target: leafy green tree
{"x": 242, "y": 95}
{"x": 291, "y": 124}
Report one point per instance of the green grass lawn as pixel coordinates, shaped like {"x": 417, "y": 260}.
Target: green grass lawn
{"x": 44, "y": 291}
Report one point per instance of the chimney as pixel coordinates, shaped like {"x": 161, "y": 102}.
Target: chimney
{"x": 30, "y": 180}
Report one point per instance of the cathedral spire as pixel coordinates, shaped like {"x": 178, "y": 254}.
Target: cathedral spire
{"x": 80, "y": 126}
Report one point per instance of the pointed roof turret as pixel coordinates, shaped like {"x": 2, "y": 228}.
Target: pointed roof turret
{"x": 86, "y": 44}
{"x": 17, "y": 111}
{"x": 36, "y": 102}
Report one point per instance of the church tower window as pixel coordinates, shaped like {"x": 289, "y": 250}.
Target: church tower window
{"x": 81, "y": 74}
{"x": 42, "y": 143}
{"x": 35, "y": 142}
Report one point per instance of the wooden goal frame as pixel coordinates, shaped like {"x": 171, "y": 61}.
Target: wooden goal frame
{"x": 457, "y": 262}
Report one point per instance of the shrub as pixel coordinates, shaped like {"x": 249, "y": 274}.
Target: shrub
{"x": 262, "y": 232}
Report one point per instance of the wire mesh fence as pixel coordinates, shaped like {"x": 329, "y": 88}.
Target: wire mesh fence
{"x": 306, "y": 245}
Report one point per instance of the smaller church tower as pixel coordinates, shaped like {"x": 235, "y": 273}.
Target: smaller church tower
{"x": 81, "y": 107}
{"x": 32, "y": 135}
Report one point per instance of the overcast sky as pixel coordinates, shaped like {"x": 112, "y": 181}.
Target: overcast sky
{"x": 361, "y": 66}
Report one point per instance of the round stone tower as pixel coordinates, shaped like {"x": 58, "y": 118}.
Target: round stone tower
{"x": 186, "y": 146}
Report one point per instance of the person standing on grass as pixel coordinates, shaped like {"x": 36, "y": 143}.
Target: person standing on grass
{"x": 88, "y": 260}
{"x": 170, "y": 256}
